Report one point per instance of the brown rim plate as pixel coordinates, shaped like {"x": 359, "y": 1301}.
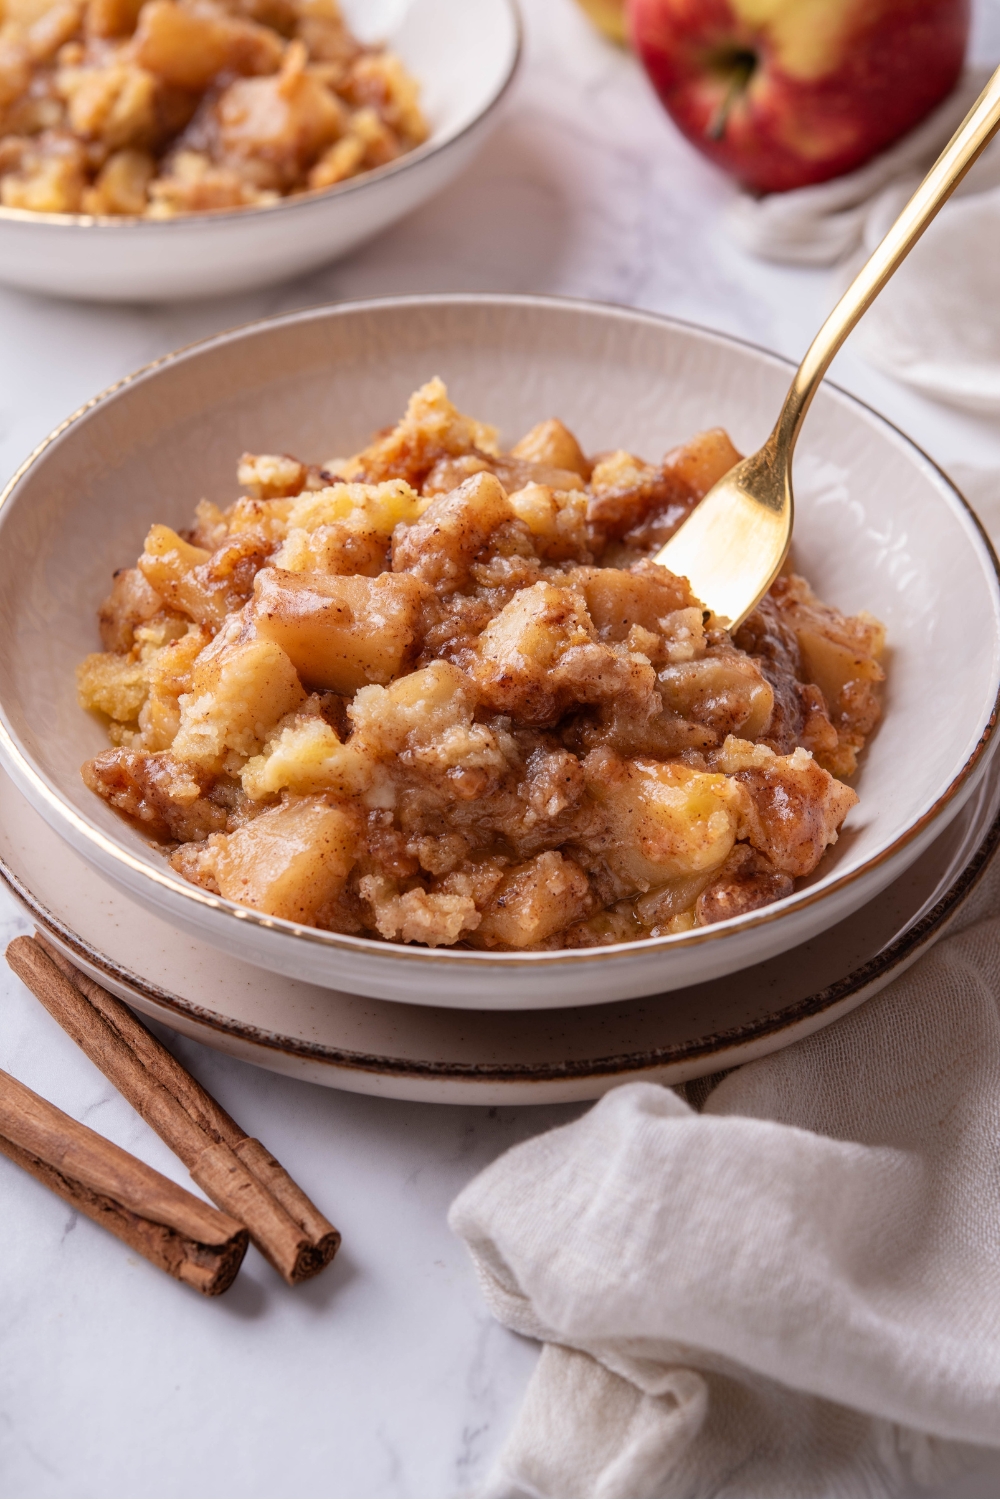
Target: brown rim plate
{"x": 474, "y": 1057}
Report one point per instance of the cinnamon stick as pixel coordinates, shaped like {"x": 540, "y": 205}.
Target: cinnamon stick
{"x": 205, "y": 1111}
{"x": 185, "y": 1237}
{"x": 214, "y": 1165}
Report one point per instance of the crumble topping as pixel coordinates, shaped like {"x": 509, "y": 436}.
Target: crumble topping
{"x": 182, "y": 106}
{"x": 438, "y": 693}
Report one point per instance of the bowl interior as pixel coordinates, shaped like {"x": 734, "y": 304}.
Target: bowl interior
{"x": 878, "y": 526}
{"x": 461, "y": 54}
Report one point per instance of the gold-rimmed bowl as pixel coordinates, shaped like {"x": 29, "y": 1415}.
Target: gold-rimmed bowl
{"x": 879, "y": 527}
{"x": 464, "y": 55}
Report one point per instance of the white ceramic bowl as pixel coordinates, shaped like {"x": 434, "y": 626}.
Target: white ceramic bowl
{"x": 879, "y": 527}
{"x": 464, "y": 53}
{"x": 491, "y": 1057}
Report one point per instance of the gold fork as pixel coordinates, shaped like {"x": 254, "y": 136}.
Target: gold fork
{"x": 734, "y": 542}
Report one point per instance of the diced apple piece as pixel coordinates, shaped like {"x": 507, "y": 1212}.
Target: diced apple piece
{"x": 793, "y": 808}
{"x": 535, "y": 629}
{"x": 667, "y": 820}
{"x": 727, "y": 693}
{"x": 55, "y": 26}
{"x": 519, "y": 648}
{"x": 645, "y": 595}
{"x": 186, "y": 49}
{"x": 557, "y": 520}
{"x": 448, "y": 473}
{"x": 237, "y": 696}
{"x": 282, "y": 123}
{"x": 290, "y": 861}
{"x": 340, "y": 632}
{"x": 833, "y": 667}
{"x": 121, "y": 185}
{"x": 515, "y": 473}
{"x": 553, "y": 444}
{"x": 114, "y": 105}
{"x": 112, "y": 17}
{"x": 533, "y": 901}
{"x": 839, "y": 655}
{"x": 628, "y": 495}
{"x": 661, "y": 907}
{"x": 441, "y": 546}
{"x": 703, "y": 460}
{"x": 207, "y": 586}
{"x": 132, "y": 601}
{"x": 167, "y": 562}
{"x": 539, "y": 655}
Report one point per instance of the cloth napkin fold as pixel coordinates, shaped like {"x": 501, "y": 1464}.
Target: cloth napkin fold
{"x": 936, "y": 326}
{"x": 816, "y": 226}
{"x": 794, "y": 1290}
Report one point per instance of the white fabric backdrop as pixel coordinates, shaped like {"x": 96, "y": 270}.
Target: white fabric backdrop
{"x": 936, "y": 326}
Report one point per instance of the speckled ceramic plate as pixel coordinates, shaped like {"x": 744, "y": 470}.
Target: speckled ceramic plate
{"x": 486, "y": 1057}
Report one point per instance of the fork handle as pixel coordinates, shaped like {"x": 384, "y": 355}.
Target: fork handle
{"x": 972, "y": 136}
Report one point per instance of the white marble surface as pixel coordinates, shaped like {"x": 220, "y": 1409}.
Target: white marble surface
{"x": 386, "y": 1376}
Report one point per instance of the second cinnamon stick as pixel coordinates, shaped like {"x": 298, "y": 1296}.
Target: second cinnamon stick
{"x": 185, "y": 1237}
{"x": 213, "y": 1165}
{"x": 209, "y": 1115}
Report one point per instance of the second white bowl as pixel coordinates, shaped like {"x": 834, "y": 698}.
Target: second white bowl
{"x": 464, "y": 54}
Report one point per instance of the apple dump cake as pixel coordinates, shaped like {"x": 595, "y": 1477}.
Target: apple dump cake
{"x": 180, "y": 106}
{"x": 438, "y": 693}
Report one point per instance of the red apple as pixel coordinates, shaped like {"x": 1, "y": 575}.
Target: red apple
{"x": 781, "y": 93}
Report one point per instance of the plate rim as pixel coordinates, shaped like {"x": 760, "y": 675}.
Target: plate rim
{"x": 62, "y": 813}
{"x": 878, "y": 970}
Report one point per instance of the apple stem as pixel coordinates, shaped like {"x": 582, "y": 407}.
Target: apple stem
{"x": 742, "y": 71}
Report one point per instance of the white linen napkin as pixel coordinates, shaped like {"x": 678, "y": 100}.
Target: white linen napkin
{"x": 936, "y": 326}
{"x": 816, "y": 226}
{"x": 794, "y": 1291}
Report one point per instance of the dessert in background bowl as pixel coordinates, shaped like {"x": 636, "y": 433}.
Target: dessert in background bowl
{"x": 878, "y": 528}
{"x": 183, "y": 148}
{"x": 184, "y": 106}
{"x": 441, "y": 694}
